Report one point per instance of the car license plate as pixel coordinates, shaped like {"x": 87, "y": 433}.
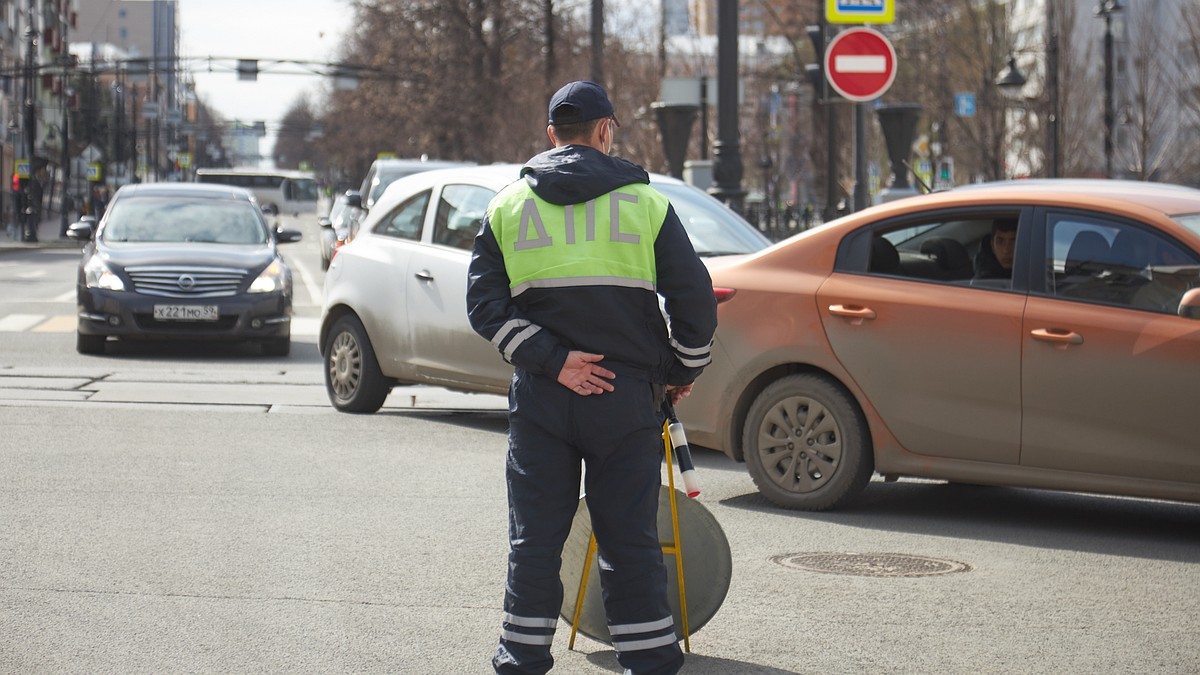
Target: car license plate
{"x": 186, "y": 313}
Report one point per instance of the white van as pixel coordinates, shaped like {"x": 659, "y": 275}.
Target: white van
{"x": 277, "y": 191}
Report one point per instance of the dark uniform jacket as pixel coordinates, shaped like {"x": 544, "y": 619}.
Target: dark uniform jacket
{"x": 574, "y": 256}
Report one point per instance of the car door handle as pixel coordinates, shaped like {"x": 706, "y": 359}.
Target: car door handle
{"x": 1061, "y": 337}
{"x": 424, "y": 275}
{"x": 856, "y": 313}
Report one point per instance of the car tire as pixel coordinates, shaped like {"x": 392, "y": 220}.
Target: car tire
{"x": 806, "y": 444}
{"x": 277, "y": 347}
{"x": 90, "y": 344}
{"x": 352, "y": 376}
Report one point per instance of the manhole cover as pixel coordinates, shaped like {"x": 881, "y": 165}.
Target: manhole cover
{"x": 871, "y": 564}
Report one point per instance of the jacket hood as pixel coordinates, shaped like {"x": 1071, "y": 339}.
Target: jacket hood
{"x": 574, "y": 174}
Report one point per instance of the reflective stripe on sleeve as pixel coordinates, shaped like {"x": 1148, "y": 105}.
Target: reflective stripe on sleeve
{"x": 692, "y": 357}
{"x": 690, "y": 351}
{"x": 508, "y": 327}
{"x": 524, "y": 335}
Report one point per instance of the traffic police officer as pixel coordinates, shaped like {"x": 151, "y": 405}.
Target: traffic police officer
{"x": 565, "y": 281}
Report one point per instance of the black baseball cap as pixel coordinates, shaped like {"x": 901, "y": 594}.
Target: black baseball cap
{"x": 579, "y": 102}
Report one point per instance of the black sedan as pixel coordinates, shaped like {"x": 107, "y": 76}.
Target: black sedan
{"x": 174, "y": 260}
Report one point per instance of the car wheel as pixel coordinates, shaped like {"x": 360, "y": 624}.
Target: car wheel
{"x": 806, "y": 444}
{"x": 277, "y": 347}
{"x": 352, "y": 376}
{"x": 90, "y": 344}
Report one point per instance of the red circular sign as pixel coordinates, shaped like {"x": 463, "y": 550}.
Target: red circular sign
{"x": 860, "y": 64}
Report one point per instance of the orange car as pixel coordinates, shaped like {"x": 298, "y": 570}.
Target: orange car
{"x": 1041, "y": 334}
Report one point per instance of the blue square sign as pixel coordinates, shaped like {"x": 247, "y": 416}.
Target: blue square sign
{"x": 964, "y": 105}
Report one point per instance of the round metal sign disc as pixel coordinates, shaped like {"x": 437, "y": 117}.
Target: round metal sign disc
{"x": 707, "y": 567}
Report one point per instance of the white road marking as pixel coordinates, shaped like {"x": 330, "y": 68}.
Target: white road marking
{"x": 15, "y": 323}
{"x": 63, "y": 323}
{"x": 305, "y": 326}
{"x": 65, "y": 297}
{"x": 316, "y": 289}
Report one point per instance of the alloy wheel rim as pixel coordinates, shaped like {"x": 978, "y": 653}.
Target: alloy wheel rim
{"x": 799, "y": 444}
{"x": 345, "y": 366}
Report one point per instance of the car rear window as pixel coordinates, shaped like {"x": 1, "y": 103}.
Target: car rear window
{"x": 172, "y": 219}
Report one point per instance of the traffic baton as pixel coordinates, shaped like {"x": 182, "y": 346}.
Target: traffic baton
{"x": 683, "y": 453}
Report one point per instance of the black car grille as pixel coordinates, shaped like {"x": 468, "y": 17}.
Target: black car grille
{"x": 178, "y": 281}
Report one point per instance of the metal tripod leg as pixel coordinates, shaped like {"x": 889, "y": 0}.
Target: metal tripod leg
{"x": 675, "y": 548}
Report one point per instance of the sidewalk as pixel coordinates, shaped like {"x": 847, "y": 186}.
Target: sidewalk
{"x": 47, "y": 235}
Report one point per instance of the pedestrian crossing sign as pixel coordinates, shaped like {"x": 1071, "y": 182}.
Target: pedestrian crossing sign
{"x": 93, "y": 172}
{"x": 22, "y": 168}
{"x": 860, "y": 11}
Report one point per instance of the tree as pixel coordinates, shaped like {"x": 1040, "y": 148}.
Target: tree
{"x": 457, "y": 79}
{"x": 293, "y": 141}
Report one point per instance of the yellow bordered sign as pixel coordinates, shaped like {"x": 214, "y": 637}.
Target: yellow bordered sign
{"x": 860, "y": 11}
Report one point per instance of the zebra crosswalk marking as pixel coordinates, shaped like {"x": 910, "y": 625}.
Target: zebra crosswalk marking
{"x": 15, "y": 323}
{"x": 57, "y": 324}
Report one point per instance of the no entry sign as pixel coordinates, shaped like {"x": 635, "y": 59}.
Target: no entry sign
{"x": 860, "y": 64}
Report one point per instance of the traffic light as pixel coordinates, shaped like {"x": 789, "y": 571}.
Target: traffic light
{"x": 815, "y": 72}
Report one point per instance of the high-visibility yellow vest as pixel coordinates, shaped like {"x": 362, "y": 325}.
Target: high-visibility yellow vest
{"x": 608, "y": 241}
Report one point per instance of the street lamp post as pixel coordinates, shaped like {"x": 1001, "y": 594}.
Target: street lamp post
{"x": 65, "y": 155}
{"x": 1106, "y": 9}
{"x": 727, "y": 157}
{"x": 1053, "y": 153}
{"x": 30, "y": 215}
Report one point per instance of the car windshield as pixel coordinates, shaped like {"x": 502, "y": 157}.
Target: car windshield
{"x": 1190, "y": 221}
{"x": 182, "y": 219}
{"x": 713, "y": 229}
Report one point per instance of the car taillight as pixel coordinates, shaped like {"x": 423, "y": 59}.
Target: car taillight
{"x": 723, "y": 294}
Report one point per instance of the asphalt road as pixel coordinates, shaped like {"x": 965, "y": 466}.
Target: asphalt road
{"x": 188, "y": 508}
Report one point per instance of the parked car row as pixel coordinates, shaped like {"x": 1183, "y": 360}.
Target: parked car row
{"x": 348, "y": 209}
{"x": 1040, "y": 333}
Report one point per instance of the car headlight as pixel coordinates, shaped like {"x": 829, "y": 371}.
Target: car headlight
{"x": 274, "y": 278}
{"x": 97, "y": 274}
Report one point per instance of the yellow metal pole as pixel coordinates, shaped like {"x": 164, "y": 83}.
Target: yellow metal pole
{"x": 587, "y": 567}
{"x": 677, "y": 549}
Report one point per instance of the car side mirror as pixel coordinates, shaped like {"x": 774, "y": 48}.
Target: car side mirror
{"x": 1189, "y": 304}
{"x": 83, "y": 230}
{"x": 286, "y": 235}
{"x": 324, "y": 222}
{"x": 354, "y": 199}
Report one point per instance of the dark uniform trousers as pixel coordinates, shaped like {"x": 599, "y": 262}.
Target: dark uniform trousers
{"x": 617, "y": 434}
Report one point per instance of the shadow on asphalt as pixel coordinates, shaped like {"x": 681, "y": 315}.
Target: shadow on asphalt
{"x": 693, "y": 663}
{"x": 1054, "y": 520}
{"x": 195, "y": 351}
